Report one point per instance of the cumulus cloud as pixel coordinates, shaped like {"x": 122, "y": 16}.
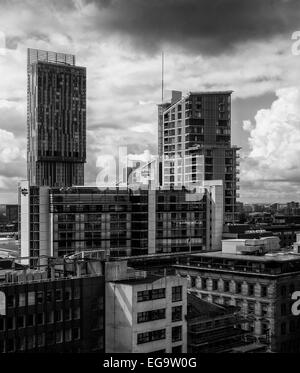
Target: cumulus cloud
{"x": 11, "y": 149}
{"x": 274, "y": 138}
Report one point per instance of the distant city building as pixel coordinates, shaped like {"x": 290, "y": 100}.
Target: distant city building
{"x": 145, "y": 313}
{"x": 194, "y": 144}
{"x": 124, "y": 222}
{"x": 261, "y": 285}
{"x": 56, "y": 119}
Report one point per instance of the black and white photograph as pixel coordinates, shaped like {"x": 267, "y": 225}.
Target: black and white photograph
{"x": 149, "y": 180}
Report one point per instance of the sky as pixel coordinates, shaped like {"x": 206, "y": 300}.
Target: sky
{"x": 240, "y": 45}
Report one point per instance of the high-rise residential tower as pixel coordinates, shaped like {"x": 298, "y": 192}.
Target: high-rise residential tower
{"x": 56, "y": 119}
{"x": 194, "y": 144}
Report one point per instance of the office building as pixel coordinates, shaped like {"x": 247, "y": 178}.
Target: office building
{"x": 194, "y": 144}
{"x": 260, "y": 284}
{"x": 56, "y": 119}
{"x": 122, "y": 221}
{"x": 51, "y": 310}
{"x": 144, "y": 313}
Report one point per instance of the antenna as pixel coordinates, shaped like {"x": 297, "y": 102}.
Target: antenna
{"x": 162, "y": 77}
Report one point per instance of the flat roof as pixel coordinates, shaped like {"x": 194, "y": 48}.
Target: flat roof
{"x": 254, "y": 258}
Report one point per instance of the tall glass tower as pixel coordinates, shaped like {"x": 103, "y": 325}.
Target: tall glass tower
{"x": 194, "y": 144}
{"x": 56, "y": 119}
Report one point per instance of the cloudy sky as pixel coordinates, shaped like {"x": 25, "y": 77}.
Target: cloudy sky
{"x": 241, "y": 45}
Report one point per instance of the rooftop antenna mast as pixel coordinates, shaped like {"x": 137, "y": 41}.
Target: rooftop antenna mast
{"x": 162, "y": 77}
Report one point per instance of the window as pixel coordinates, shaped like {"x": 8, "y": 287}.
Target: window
{"x": 238, "y": 287}
{"x": 58, "y": 315}
{"x": 10, "y": 345}
{"x": 10, "y": 301}
{"x": 50, "y": 317}
{"x": 226, "y": 286}
{"x": 176, "y": 313}
{"x": 10, "y": 323}
{"x": 283, "y": 309}
{"x": 176, "y": 333}
{"x": 21, "y": 321}
{"x": 177, "y": 349}
{"x": 251, "y": 307}
{"x": 151, "y": 315}
{"x": 215, "y": 284}
{"x": 68, "y": 314}
{"x": 146, "y": 295}
{"x": 39, "y": 297}
{"x": 68, "y": 293}
{"x": 59, "y": 336}
{"x": 30, "y": 320}
{"x": 50, "y": 337}
{"x": 68, "y": 335}
{"x": 30, "y": 342}
{"x": 22, "y": 300}
{"x": 264, "y": 291}
{"x": 20, "y": 343}
{"x": 264, "y": 309}
{"x": 76, "y": 333}
{"x": 151, "y": 336}
{"x": 58, "y": 295}
{"x": 31, "y": 298}
{"x": 176, "y": 293}
{"x": 250, "y": 289}
{"x": 283, "y": 290}
{"x": 49, "y": 296}
{"x": 41, "y": 339}
{"x": 40, "y": 318}
{"x": 76, "y": 313}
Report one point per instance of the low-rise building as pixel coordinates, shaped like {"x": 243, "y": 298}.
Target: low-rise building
{"x": 145, "y": 313}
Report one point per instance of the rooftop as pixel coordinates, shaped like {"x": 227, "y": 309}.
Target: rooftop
{"x": 276, "y": 257}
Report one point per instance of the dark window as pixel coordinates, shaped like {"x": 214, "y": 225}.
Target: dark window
{"x": 30, "y": 320}
{"x": 176, "y": 293}
{"x": 215, "y": 284}
{"x": 283, "y": 309}
{"x": 283, "y": 290}
{"x": 10, "y": 301}
{"x": 146, "y": 295}
{"x": 76, "y": 333}
{"x": 151, "y": 336}
{"x": 226, "y": 286}
{"x": 177, "y": 349}
{"x": 58, "y": 295}
{"x": 251, "y": 289}
{"x": 238, "y": 287}
{"x": 151, "y": 315}
{"x": 264, "y": 291}
{"x": 39, "y": 297}
{"x": 40, "y": 318}
{"x": 177, "y": 313}
{"x": 20, "y": 322}
{"x": 176, "y": 333}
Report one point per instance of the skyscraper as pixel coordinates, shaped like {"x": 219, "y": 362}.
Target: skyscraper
{"x": 195, "y": 143}
{"x": 56, "y": 119}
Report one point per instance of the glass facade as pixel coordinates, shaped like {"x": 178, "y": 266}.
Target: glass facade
{"x": 56, "y": 119}
{"x": 195, "y": 143}
{"x": 117, "y": 220}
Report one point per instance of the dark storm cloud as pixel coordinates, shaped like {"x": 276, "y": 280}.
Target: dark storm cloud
{"x": 198, "y": 26}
